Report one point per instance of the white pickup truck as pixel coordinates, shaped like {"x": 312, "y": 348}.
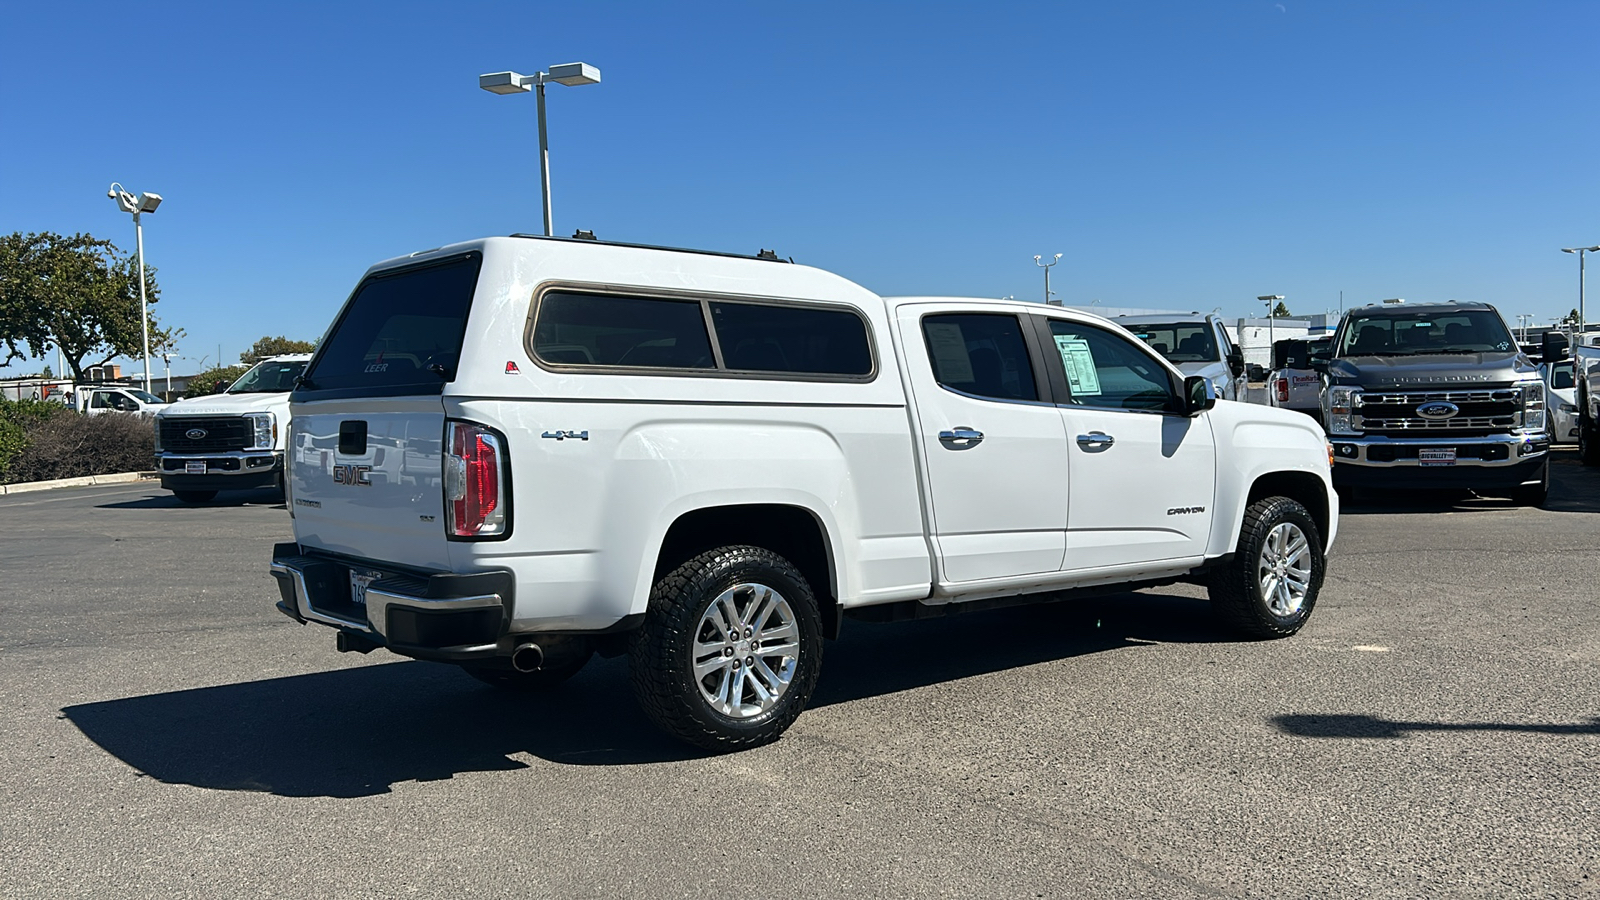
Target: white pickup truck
{"x": 231, "y": 441}
{"x": 515, "y": 452}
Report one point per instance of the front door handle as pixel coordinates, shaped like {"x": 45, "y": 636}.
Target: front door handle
{"x": 961, "y": 437}
{"x": 1095, "y": 440}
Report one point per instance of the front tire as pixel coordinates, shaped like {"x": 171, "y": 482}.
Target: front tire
{"x": 730, "y": 649}
{"x": 1271, "y": 585}
{"x": 1534, "y": 494}
{"x": 1588, "y": 443}
{"x": 195, "y": 496}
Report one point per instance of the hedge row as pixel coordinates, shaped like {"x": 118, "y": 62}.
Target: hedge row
{"x": 40, "y": 441}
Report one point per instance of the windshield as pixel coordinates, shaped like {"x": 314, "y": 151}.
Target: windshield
{"x": 1400, "y": 333}
{"x": 146, "y": 397}
{"x": 1180, "y": 343}
{"x": 269, "y": 378}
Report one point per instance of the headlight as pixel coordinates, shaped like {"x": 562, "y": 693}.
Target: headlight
{"x": 1342, "y": 405}
{"x": 1564, "y": 406}
{"x": 1533, "y": 407}
{"x": 263, "y": 429}
{"x": 157, "y": 423}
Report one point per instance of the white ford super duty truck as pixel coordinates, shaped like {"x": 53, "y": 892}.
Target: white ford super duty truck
{"x": 228, "y": 441}
{"x": 516, "y": 452}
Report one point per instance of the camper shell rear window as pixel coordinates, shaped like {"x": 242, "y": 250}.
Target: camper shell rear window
{"x": 399, "y": 334}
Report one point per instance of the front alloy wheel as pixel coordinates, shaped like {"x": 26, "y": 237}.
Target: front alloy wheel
{"x": 1270, "y": 587}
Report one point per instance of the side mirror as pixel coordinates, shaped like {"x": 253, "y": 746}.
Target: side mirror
{"x": 1318, "y": 361}
{"x": 1554, "y": 348}
{"x": 1199, "y": 394}
{"x": 221, "y": 386}
{"x": 1236, "y": 360}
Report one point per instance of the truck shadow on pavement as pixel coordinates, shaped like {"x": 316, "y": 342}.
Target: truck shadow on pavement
{"x": 356, "y": 732}
{"x": 164, "y": 500}
{"x": 1357, "y": 726}
{"x": 1574, "y": 488}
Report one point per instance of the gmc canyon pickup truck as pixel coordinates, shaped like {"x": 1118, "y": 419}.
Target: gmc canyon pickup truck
{"x": 516, "y": 452}
{"x": 1434, "y": 395}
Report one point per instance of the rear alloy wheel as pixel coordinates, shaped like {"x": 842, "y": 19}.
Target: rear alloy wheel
{"x": 1271, "y": 586}
{"x": 730, "y": 649}
{"x": 195, "y": 496}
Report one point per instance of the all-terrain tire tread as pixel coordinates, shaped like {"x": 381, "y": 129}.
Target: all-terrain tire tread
{"x": 1232, "y": 588}
{"x": 670, "y": 622}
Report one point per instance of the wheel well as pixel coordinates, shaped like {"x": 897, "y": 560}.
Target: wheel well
{"x": 1303, "y": 487}
{"x": 789, "y": 531}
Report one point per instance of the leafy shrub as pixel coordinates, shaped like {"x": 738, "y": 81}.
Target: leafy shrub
{"x": 17, "y": 417}
{"x": 65, "y": 444}
{"x": 202, "y": 384}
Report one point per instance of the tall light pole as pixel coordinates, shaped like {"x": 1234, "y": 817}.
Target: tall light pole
{"x": 570, "y": 74}
{"x": 1270, "y": 299}
{"x": 138, "y": 205}
{"x": 1583, "y": 320}
{"x": 1046, "y": 267}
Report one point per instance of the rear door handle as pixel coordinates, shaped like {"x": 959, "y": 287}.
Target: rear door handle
{"x": 961, "y": 437}
{"x": 1095, "y": 440}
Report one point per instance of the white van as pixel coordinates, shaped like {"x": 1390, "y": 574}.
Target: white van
{"x": 514, "y": 453}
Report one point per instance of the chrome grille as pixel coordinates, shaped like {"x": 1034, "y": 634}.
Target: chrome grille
{"x": 1482, "y": 411}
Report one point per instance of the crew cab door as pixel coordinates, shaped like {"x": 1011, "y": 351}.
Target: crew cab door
{"x": 1143, "y": 475}
{"x": 994, "y": 449}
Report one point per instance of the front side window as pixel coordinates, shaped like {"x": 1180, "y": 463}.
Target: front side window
{"x": 1180, "y": 343}
{"x": 103, "y": 400}
{"x": 980, "y": 354}
{"x": 1105, "y": 370}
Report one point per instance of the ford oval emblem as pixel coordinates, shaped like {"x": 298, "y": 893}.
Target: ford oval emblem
{"x": 1437, "y": 409}
{"x": 196, "y": 434}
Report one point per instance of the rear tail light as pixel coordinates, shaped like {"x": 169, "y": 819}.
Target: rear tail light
{"x": 475, "y": 480}
{"x": 1282, "y": 385}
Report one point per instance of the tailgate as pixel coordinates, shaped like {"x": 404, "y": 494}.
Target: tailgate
{"x": 365, "y": 479}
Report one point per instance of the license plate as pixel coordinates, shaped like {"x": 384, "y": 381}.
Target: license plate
{"x": 194, "y": 468}
{"x": 358, "y": 585}
{"x": 1440, "y": 457}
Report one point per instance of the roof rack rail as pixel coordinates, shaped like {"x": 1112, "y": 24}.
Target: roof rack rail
{"x": 765, "y": 255}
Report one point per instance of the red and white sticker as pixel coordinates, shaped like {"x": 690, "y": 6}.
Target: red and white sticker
{"x": 511, "y": 368}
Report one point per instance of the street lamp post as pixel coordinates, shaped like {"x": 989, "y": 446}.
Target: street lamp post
{"x": 1270, "y": 299}
{"x": 1583, "y": 319}
{"x": 138, "y": 205}
{"x": 570, "y": 74}
{"x": 1046, "y": 267}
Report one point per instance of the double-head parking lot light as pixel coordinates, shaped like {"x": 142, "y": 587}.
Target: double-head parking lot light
{"x": 570, "y": 74}
{"x": 138, "y": 205}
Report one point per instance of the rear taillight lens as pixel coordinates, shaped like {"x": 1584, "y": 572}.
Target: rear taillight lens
{"x": 1283, "y": 390}
{"x": 475, "y": 482}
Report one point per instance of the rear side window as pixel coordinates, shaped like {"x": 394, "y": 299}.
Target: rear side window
{"x": 573, "y": 328}
{"x": 401, "y": 332}
{"x": 760, "y": 338}
{"x": 600, "y": 330}
{"x": 980, "y": 354}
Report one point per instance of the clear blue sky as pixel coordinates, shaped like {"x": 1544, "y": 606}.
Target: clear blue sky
{"x": 1180, "y": 153}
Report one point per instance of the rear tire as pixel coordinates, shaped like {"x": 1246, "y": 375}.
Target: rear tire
{"x": 195, "y": 496}
{"x": 1270, "y": 587}
{"x": 537, "y": 681}
{"x": 730, "y": 649}
{"x": 1588, "y": 443}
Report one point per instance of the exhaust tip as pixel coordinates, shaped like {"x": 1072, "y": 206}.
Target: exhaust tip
{"x": 527, "y": 658}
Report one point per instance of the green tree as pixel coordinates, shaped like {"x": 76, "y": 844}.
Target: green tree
{"x": 274, "y": 346}
{"x": 1280, "y": 311}
{"x": 1571, "y": 319}
{"x": 206, "y": 382}
{"x": 78, "y": 293}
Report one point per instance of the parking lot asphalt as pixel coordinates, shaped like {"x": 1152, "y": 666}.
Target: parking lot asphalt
{"x": 1434, "y": 731}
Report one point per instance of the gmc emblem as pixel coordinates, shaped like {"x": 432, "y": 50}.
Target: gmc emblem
{"x": 357, "y": 475}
